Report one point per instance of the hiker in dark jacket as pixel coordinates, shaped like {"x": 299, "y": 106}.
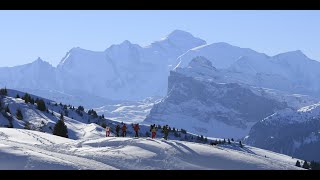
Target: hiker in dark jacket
{"x": 124, "y": 130}
{"x": 118, "y": 130}
{"x": 165, "y": 132}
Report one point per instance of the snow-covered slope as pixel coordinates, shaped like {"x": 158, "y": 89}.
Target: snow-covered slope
{"x": 24, "y": 149}
{"x": 45, "y": 121}
{"x": 292, "y": 132}
{"x": 129, "y": 111}
{"x": 213, "y": 102}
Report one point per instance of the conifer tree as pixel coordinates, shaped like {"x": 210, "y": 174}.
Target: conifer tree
{"x": 7, "y": 109}
{"x": 240, "y": 143}
{"x": 315, "y": 165}
{"x": 4, "y": 92}
{"x": 19, "y": 114}
{"x": 17, "y": 96}
{"x": 41, "y": 105}
{"x": 305, "y": 165}
{"x": 298, "y": 163}
{"x": 60, "y": 129}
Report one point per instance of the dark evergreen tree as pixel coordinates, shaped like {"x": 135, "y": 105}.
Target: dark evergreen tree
{"x": 4, "y": 92}
{"x": 315, "y": 165}
{"x": 80, "y": 108}
{"x": 298, "y": 163}
{"x": 17, "y": 96}
{"x": 41, "y": 105}
{"x": 240, "y": 143}
{"x": 60, "y": 129}
{"x": 31, "y": 100}
{"x": 7, "y": 109}
{"x": 205, "y": 139}
{"x": 27, "y": 126}
{"x": 224, "y": 141}
{"x": 66, "y": 112}
{"x": 232, "y": 139}
{"x": 102, "y": 116}
{"x": 26, "y": 97}
{"x": 19, "y": 114}
{"x": 103, "y": 125}
{"x": 229, "y": 141}
{"x": 183, "y": 131}
{"x": 173, "y": 129}
{"x": 306, "y": 165}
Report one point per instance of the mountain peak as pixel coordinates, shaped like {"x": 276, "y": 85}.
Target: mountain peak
{"x": 179, "y": 34}
{"x": 126, "y": 42}
{"x": 292, "y": 54}
{"x": 40, "y": 62}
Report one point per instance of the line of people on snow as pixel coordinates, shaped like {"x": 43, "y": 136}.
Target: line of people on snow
{"x": 136, "y": 128}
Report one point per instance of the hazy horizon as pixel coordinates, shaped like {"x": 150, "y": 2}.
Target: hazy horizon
{"x": 27, "y": 35}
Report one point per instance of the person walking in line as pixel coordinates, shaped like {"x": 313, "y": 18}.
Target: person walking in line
{"x": 136, "y": 129}
{"x": 154, "y": 131}
{"x": 118, "y": 130}
{"x": 124, "y": 130}
{"x": 165, "y": 132}
{"x": 107, "y": 131}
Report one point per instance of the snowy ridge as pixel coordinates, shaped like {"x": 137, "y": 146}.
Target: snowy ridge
{"x": 289, "y": 131}
{"x": 24, "y": 149}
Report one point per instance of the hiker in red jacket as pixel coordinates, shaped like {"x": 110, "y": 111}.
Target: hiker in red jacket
{"x": 107, "y": 131}
{"x": 154, "y": 131}
{"x": 136, "y": 129}
{"x": 124, "y": 130}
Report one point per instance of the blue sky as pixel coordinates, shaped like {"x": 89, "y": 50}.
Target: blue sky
{"x": 26, "y": 35}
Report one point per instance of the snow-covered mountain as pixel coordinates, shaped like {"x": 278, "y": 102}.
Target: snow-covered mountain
{"x": 292, "y": 132}
{"x": 292, "y": 71}
{"x": 31, "y": 150}
{"x": 123, "y": 71}
{"x": 213, "y": 102}
{"x": 35, "y": 75}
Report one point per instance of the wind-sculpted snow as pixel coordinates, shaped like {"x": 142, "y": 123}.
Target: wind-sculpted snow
{"x": 31, "y": 150}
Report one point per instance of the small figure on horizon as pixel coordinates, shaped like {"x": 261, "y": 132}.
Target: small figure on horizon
{"x": 136, "y": 129}
{"x": 107, "y": 131}
{"x": 154, "y": 131}
{"x": 118, "y": 130}
{"x": 124, "y": 130}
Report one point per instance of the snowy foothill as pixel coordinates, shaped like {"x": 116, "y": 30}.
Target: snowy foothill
{"x": 32, "y": 150}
